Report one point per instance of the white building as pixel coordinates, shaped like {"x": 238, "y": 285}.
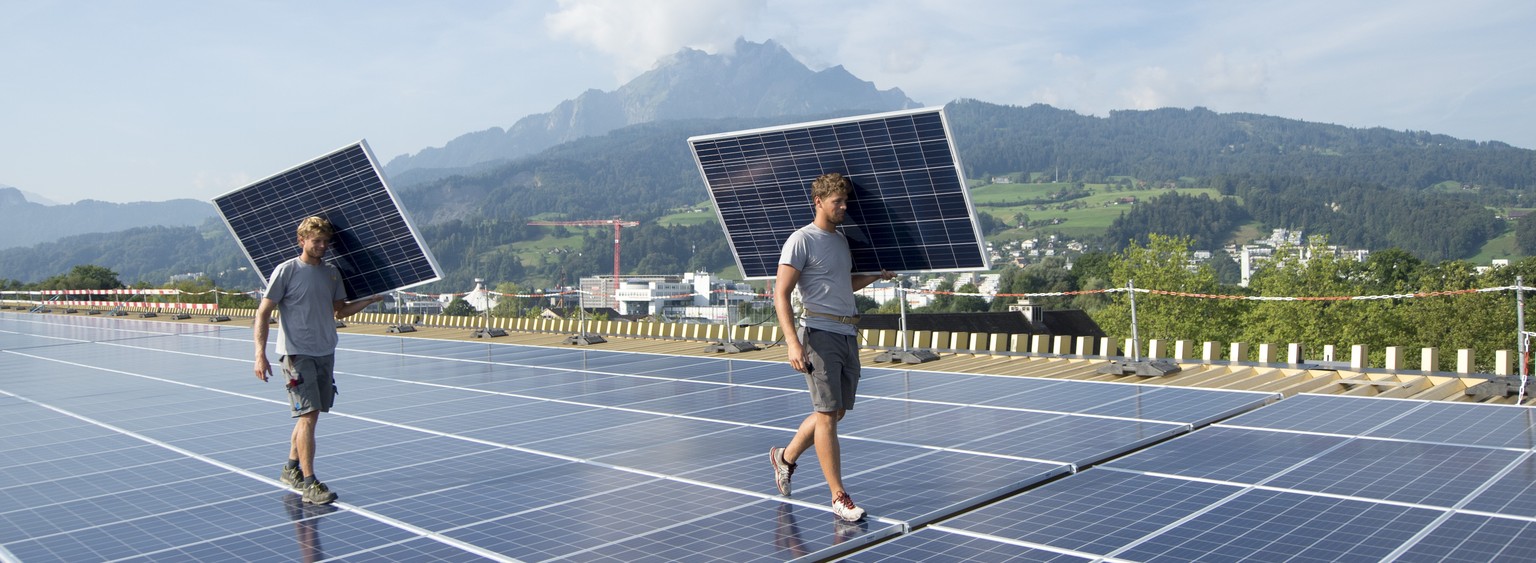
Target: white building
{"x": 694, "y": 295}
{"x": 881, "y": 291}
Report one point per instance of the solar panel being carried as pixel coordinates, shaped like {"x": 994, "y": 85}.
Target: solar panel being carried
{"x": 375, "y": 246}
{"x": 910, "y": 210}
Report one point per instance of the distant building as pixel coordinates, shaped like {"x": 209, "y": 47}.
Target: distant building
{"x": 480, "y": 298}
{"x": 692, "y": 295}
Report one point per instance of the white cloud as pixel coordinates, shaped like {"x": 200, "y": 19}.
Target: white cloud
{"x": 1153, "y": 87}
{"x": 905, "y": 57}
{"x": 220, "y": 182}
{"x": 637, "y": 34}
{"x": 1235, "y": 76}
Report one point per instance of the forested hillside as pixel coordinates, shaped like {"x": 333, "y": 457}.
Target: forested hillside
{"x": 151, "y": 254}
{"x": 635, "y": 173}
{"x": 1428, "y": 194}
{"x": 1167, "y": 144}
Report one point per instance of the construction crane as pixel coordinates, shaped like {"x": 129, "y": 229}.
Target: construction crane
{"x": 618, "y": 224}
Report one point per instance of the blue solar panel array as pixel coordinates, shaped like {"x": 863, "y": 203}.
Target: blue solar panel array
{"x": 1313, "y": 477}
{"x": 124, "y": 439}
{"x": 376, "y": 247}
{"x": 910, "y": 210}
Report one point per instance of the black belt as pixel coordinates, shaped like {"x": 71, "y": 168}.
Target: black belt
{"x": 849, "y": 320}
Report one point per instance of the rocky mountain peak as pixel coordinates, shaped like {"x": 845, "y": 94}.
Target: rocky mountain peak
{"x": 753, "y": 80}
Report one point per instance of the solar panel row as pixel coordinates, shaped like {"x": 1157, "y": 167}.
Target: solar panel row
{"x": 160, "y": 445}
{"x": 1312, "y": 477}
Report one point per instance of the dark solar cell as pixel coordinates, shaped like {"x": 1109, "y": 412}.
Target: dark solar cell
{"x": 910, "y": 210}
{"x": 375, "y": 247}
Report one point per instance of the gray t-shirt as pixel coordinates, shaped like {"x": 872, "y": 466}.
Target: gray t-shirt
{"x": 826, "y": 276}
{"x": 306, "y": 297}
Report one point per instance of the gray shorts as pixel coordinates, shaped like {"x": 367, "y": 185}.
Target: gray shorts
{"x": 834, "y": 376}
{"x": 311, "y": 386}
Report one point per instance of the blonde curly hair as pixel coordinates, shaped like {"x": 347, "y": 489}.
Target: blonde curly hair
{"x": 316, "y": 226}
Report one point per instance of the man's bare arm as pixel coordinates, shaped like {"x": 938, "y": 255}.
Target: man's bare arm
{"x": 784, "y": 286}
{"x": 259, "y": 326}
{"x": 346, "y": 309}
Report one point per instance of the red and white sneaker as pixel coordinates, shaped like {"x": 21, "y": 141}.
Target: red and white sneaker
{"x": 781, "y": 469}
{"x": 843, "y": 507}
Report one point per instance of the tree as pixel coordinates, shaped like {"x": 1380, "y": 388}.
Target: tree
{"x": 968, "y": 303}
{"x": 1316, "y": 323}
{"x": 1525, "y": 235}
{"x": 509, "y": 306}
{"x": 862, "y": 303}
{"x": 84, "y": 276}
{"x": 1163, "y": 264}
{"x": 1021, "y": 220}
{"x": 197, "y": 290}
{"x": 1392, "y": 270}
{"x": 1482, "y": 322}
{"x": 459, "y": 308}
{"x": 1093, "y": 264}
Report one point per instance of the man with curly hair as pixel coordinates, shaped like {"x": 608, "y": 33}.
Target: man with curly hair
{"x": 308, "y": 296}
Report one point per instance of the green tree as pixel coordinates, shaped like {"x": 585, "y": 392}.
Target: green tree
{"x": 197, "y": 290}
{"x": 1313, "y": 323}
{"x": 507, "y": 305}
{"x": 459, "y": 308}
{"x": 862, "y": 303}
{"x": 1163, "y": 264}
{"x": 1093, "y": 265}
{"x": 1525, "y": 235}
{"x": 84, "y": 276}
{"x": 942, "y": 301}
{"x": 968, "y": 303}
{"x": 1482, "y": 322}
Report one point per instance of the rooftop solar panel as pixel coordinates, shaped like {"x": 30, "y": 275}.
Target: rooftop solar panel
{"x": 460, "y": 450}
{"x": 1380, "y": 483}
{"x": 910, "y": 210}
{"x": 376, "y": 247}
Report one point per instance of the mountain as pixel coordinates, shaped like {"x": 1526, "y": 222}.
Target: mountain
{"x": 1165, "y": 144}
{"x": 756, "y": 80}
{"x": 643, "y": 170}
{"x": 1379, "y": 187}
{"x": 29, "y": 196}
{"x": 24, "y": 223}
{"x": 1429, "y": 194}
{"x": 149, "y": 253}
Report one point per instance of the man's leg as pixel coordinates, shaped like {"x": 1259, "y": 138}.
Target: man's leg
{"x": 302, "y": 443}
{"x": 820, "y": 430}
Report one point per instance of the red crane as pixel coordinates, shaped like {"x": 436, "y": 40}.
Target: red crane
{"x": 618, "y": 224}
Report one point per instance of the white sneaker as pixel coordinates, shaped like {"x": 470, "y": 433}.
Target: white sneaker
{"x": 843, "y": 507}
{"x": 781, "y": 471}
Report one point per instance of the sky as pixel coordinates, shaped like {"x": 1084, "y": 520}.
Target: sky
{"x": 153, "y": 100}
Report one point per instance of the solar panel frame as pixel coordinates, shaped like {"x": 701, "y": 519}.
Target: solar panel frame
{"x": 376, "y": 245}
{"x": 910, "y": 211}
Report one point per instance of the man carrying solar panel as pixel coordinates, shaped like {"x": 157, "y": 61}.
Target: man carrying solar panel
{"x": 816, "y": 259}
{"x": 308, "y": 296}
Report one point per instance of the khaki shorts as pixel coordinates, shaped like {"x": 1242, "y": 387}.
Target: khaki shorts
{"x": 311, "y": 386}
{"x": 834, "y": 376}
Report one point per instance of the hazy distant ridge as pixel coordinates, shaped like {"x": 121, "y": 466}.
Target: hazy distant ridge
{"x": 23, "y": 223}
{"x": 757, "y": 80}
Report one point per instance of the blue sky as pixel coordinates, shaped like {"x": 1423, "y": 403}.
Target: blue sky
{"x": 154, "y": 100}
